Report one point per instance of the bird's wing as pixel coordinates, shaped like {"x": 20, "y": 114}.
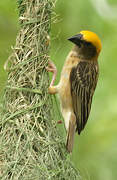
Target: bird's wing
{"x": 83, "y": 80}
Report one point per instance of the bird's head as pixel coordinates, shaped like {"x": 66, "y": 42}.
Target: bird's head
{"x": 88, "y": 43}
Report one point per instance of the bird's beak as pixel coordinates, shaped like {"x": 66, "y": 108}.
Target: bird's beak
{"x": 76, "y": 39}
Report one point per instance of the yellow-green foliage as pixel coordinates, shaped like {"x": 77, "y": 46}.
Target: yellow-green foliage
{"x": 95, "y": 149}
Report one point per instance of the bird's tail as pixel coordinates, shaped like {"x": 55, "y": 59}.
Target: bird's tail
{"x": 70, "y": 136}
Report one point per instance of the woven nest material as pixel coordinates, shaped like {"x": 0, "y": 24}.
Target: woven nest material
{"x": 31, "y": 147}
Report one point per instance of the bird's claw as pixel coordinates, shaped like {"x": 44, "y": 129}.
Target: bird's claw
{"x": 52, "y": 68}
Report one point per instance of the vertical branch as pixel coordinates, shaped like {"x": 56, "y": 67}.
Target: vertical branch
{"x": 30, "y": 145}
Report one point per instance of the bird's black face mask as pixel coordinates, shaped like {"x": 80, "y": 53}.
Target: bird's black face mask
{"x": 86, "y": 49}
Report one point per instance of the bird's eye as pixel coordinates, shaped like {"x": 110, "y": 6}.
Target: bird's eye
{"x": 88, "y": 43}
{"x": 80, "y": 44}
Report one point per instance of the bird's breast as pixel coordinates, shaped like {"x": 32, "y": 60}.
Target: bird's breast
{"x": 64, "y": 84}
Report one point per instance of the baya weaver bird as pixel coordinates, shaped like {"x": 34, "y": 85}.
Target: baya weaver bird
{"x": 77, "y": 83}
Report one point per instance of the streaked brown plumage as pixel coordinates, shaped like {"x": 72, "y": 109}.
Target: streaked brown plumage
{"x": 77, "y": 83}
{"x": 83, "y": 80}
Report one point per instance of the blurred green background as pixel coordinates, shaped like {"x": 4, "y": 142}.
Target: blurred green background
{"x": 95, "y": 150}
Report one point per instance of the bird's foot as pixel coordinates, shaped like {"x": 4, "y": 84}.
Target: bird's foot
{"x": 52, "y": 68}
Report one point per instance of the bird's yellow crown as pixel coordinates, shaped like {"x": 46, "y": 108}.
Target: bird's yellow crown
{"x": 92, "y": 38}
